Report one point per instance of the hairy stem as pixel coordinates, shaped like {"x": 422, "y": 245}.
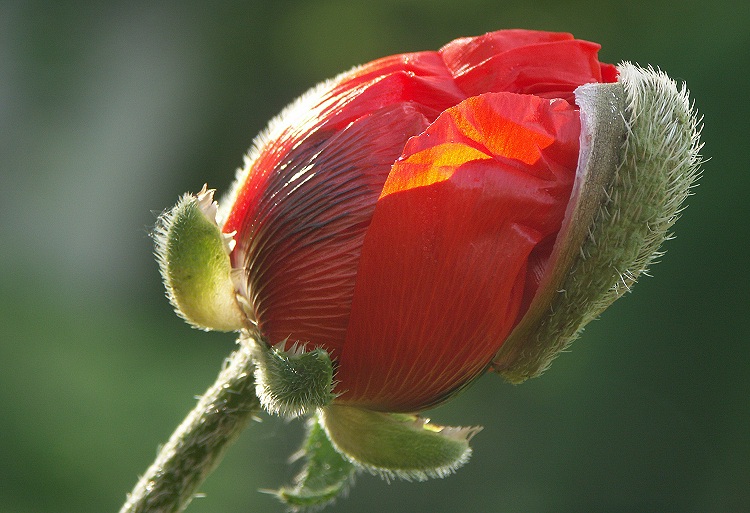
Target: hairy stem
{"x": 198, "y": 444}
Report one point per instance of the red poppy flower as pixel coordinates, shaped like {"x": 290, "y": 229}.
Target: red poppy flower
{"x": 408, "y": 225}
{"x": 400, "y": 216}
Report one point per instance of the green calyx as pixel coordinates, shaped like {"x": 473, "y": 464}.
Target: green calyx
{"x": 294, "y": 382}
{"x": 640, "y": 144}
{"x": 193, "y": 256}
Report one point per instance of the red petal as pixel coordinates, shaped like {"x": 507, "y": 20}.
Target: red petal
{"x": 470, "y": 51}
{"x": 309, "y": 221}
{"x": 432, "y": 94}
{"x": 420, "y": 79}
{"x": 609, "y": 72}
{"x": 442, "y": 273}
{"x": 551, "y": 67}
{"x": 428, "y": 65}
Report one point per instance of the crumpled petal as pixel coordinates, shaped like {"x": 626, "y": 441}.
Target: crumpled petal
{"x": 442, "y": 274}
{"x": 549, "y": 65}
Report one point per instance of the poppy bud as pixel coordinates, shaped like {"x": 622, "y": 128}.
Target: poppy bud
{"x": 428, "y": 216}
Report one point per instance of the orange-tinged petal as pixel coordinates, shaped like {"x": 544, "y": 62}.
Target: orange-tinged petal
{"x": 438, "y": 164}
{"x": 442, "y": 274}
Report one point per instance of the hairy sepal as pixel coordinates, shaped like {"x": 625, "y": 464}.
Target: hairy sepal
{"x": 292, "y": 382}
{"x": 640, "y": 144}
{"x": 193, "y": 256}
{"x": 394, "y": 445}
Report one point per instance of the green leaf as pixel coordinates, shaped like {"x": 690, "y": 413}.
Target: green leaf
{"x": 397, "y": 445}
{"x": 325, "y": 476}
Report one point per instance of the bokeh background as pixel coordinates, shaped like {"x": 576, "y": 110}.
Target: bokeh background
{"x": 110, "y": 110}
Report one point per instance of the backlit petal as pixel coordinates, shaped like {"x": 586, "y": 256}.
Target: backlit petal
{"x": 466, "y": 52}
{"x": 302, "y": 208}
{"x": 420, "y": 79}
{"x": 442, "y": 275}
{"x": 310, "y": 223}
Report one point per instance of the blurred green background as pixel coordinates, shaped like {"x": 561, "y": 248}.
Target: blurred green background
{"x": 110, "y": 111}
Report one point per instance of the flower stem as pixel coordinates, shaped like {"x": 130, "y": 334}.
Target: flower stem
{"x": 198, "y": 444}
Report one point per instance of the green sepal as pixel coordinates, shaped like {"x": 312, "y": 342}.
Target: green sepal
{"x": 193, "y": 256}
{"x": 293, "y": 382}
{"x": 640, "y": 144}
{"x": 325, "y": 476}
{"x": 395, "y": 445}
